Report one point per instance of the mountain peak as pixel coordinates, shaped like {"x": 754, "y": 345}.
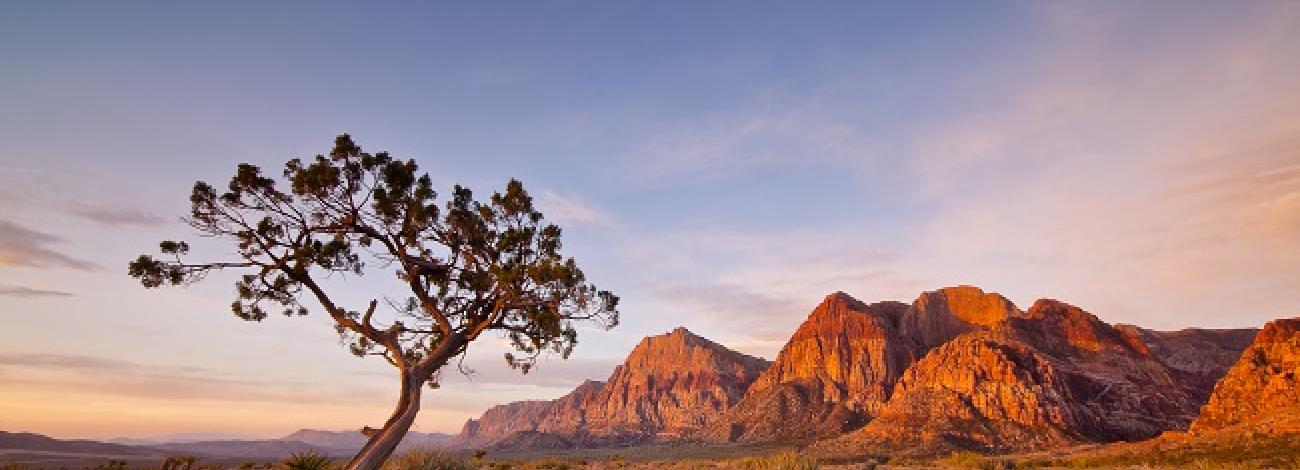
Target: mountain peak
{"x": 971, "y": 304}
{"x": 682, "y": 331}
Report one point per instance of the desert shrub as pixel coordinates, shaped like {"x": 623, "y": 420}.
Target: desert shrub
{"x": 549, "y": 464}
{"x": 112, "y": 465}
{"x": 968, "y": 459}
{"x": 307, "y": 461}
{"x": 179, "y": 462}
{"x": 781, "y": 461}
{"x": 421, "y": 459}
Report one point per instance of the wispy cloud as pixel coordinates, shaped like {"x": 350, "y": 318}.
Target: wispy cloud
{"x": 20, "y": 291}
{"x": 571, "y": 209}
{"x": 54, "y": 371}
{"x": 22, "y": 246}
{"x": 114, "y": 217}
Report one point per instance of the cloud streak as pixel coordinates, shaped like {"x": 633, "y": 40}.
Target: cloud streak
{"x": 21, "y": 246}
{"x": 571, "y": 209}
{"x": 71, "y": 372}
{"x": 20, "y": 291}
{"x": 117, "y": 217}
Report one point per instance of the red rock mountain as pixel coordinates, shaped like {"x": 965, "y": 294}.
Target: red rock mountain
{"x": 839, "y": 368}
{"x": 958, "y": 368}
{"x": 1261, "y": 393}
{"x": 1053, "y": 376}
{"x": 669, "y": 385}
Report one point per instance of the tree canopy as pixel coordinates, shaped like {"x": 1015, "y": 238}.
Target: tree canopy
{"x": 465, "y": 266}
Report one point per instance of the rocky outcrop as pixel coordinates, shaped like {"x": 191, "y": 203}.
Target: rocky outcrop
{"x": 973, "y": 392}
{"x": 837, "y": 369}
{"x": 1261, "y": 392}
{"x": 670, "y": 385}
{"x": 500, "y": 421}
{"x": 938, "y": 316}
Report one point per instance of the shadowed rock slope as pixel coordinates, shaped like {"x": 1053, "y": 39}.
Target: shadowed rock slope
{"x": 669, "y": 385}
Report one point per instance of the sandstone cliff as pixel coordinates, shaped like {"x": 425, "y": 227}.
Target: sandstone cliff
{"x": 838, "y": 367}
{"x": 1261, "y": 392}
{"x": 1049, "y": 377}
{"x": 669, "y": 385}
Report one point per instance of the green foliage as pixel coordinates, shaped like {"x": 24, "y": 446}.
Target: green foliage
{"x": 781, "y": 461}
{"x": 421, "y": 459}
{"x": 307, "y": 461}
{"x": 469, "y": 265}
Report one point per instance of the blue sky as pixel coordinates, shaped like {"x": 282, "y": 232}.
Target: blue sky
{"x": 721, "y": 165}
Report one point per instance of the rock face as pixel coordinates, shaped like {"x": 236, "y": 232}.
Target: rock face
{"x": 839, "y": 367}
{"x": 670, "y": 385}
{"x": 974, "y": 392}
{"x": 1052, "y": 376}
{"x": 500, "y": 421}
{"x": 1261, "y": 392}
{"x": 938, "y": 316}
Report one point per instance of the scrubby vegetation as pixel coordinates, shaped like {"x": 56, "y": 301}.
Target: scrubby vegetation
{"x": 307, "y": 461}
{"x": 422, "y": 459}
{"x": 975, "y": 460}
{"x": 781, "y": 461}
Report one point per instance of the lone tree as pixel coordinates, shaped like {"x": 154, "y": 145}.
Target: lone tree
{"x": 469, "y": 267}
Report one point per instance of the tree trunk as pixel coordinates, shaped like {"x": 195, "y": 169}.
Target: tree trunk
{"x": 385, "y": 440}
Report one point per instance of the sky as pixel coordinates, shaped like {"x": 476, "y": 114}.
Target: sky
{"x": 720, "y": 165}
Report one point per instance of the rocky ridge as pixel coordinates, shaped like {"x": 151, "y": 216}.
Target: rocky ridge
{"x": 958, "y": 368}
{"x": 668, "y": 386}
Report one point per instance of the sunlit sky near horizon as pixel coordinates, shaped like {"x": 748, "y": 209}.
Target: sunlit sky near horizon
{"x": 720, "y": 165}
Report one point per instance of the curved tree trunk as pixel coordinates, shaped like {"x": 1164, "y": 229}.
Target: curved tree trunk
{"x": 383, "y": 441}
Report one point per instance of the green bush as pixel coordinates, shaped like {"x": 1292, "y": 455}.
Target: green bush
{"x": 308, "y": 461}
{"x": 421, "y": 459}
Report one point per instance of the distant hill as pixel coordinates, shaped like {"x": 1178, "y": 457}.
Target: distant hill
{"x": 11, "y": 441}
{"x": 39, "y": 449}
{"x": 249, "y": 449}
{"x": 349, "y": 442}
